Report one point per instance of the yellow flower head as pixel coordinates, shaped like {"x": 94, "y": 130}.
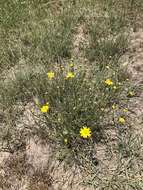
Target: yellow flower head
{"x": 45, "y": 108}
{"x": 66, "y": 141}
{"x": 109, "y": 82}
{"x": 70, "y": 75}
{"x": 114, "y": 106}
{"x": 122, "y": 120}
{"x": 50, "y": 75}
{"x": 71, "y": 64}
{"x": 107, "y": 67}
{"x": 85, "y": 132}
{"x": 125, "y": 110}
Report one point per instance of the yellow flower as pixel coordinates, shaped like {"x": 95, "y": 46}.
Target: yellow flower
{"x": 71, "y": 64}
{"x": 85, "y": 132}
{"x": 125, "y": 110}
{"x": 45, "y": 108}
{"x": 70, "y": 75}
{"x": 66, "y": 141}
{"x": 122, "y": 120}
{"x": 109, "y": 82}
{"x": 50, "y": 75}
{"x": 114, "y": 106}
{"x": 102, "y": 109}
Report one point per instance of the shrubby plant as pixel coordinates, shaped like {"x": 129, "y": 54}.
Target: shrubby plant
{"x": 78, "y": 106}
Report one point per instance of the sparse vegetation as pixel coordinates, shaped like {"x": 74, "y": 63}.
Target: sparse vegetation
{"x": 80, "y": 101}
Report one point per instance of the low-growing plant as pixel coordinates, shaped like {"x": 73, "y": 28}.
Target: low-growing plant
{"x": 78, "y": 106}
